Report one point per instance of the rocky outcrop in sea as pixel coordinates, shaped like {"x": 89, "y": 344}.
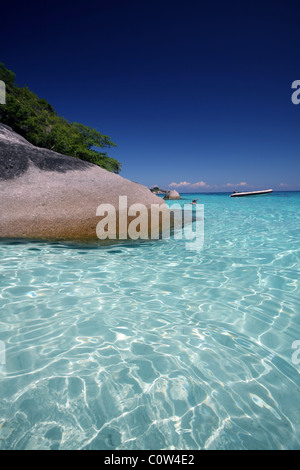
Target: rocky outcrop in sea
{"x": 46, "y": 195}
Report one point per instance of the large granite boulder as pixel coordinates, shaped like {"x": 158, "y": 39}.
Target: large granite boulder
{"x": 172, "y": 195}
{"x": 46, "y": 195}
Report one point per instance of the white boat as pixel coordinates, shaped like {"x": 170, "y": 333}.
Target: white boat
{"x": 251, "y": 193}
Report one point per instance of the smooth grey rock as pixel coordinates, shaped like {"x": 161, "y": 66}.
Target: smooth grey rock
{"x": 46, "y": 195}
{"x": 172, "y": 195}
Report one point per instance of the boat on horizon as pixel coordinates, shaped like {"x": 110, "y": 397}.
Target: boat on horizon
{"x": 251, "y": 193}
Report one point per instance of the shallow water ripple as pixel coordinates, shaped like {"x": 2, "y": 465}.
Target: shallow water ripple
{"x": 151, "y": 346}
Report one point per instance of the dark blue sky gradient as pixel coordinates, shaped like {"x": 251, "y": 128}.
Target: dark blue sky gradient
{"x": 190, "y": 91}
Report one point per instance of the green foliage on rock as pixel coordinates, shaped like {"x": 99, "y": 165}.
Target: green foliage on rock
{"x": 36, "y": 120}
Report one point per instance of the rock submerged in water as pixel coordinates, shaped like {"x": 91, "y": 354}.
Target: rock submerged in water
{"x": 172, "y": 195}
{"x": 46, "y": 195}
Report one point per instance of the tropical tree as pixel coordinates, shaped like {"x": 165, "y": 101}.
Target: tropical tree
{"x": 36, "y": 120}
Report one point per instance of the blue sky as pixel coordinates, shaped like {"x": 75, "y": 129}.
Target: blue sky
{"x": 196, "y": 95}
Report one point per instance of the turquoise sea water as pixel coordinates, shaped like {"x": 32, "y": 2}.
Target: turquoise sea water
{"x": 150, "y": 346}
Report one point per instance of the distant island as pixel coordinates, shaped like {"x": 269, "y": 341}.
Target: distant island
{"x": 169, "y": 194}
{"x": 157, "y": 190}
